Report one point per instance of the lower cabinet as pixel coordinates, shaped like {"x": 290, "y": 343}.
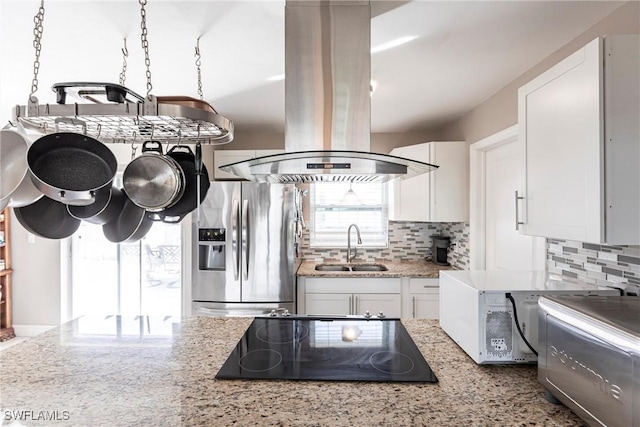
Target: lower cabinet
{"x": 357, "y": 304}
{"x": 422, "y": 298}
{"x": 351, "y": 296}
{"x": 406, "y": 297}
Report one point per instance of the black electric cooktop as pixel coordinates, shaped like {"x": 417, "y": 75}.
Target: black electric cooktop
{"x": 331, "y": 349}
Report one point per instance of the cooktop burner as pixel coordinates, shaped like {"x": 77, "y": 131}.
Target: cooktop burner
{"x": 331, "y": 349}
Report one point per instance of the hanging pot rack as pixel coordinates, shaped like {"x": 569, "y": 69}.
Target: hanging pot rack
{"x": 122, "y": 121}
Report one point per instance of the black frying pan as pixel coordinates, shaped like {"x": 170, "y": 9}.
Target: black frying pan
{"x": 70, "y": 167}
{"x": 107, "y": 207}
{"x": 131, "y": 224}
{"x": 47, "y": 218}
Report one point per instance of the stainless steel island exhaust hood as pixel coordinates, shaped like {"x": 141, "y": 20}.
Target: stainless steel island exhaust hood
{"x": 327, "y": 101}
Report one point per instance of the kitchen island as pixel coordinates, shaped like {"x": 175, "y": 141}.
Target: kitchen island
{"x": 146, "y": 371}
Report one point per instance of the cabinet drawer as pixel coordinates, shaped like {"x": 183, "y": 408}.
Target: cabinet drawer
{"x": 366, "y": 285}
{"x": 423, "y": 286}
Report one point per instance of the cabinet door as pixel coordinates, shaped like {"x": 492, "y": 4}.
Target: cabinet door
{"x": 438, "y": 196}
{"x": 389, "y": 304}
{"x": 328, "y": 303}
{"x": 449, "y": 183}
{"x": 560, "y": 126}
{"x": 426, "y": 305}
{"x": 409, "y": 198}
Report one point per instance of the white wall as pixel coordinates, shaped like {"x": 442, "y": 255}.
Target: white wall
{"x": 36, "y": 279}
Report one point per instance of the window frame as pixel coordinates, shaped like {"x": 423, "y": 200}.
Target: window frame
{"x": 373, "y": 238}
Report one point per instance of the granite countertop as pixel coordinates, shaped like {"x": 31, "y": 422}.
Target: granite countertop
{"x": 154, "y": 371}
{"x": 395, "y": 269}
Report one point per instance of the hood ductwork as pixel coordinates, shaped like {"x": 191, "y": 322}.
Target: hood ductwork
{"x": 327, "y": 101}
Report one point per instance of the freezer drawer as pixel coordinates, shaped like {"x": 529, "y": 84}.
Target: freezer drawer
{"x": 590, "y": 356}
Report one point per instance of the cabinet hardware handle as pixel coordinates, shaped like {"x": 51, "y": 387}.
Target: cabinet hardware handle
{"x": 413, "y": 299}
{"x": 518, "y": 222}
{"x": 350, "y": 305}
{"x": 355, "y": 306}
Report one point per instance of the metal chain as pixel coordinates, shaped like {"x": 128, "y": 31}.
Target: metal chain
{"x": 145, "y": 43}
{"x": 125, "y": 54}
{"x": 198, "y": 64}
{"x": 37, "y": 38}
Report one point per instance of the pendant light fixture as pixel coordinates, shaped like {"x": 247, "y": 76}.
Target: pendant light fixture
{"x": 350, "y": 197}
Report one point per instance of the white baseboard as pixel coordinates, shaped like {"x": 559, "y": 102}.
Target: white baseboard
{"x": 30, "y": 330}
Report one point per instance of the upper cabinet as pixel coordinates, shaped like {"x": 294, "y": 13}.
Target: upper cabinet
{"x": 580, "y": 133}
{"x": 226, "y": 157}
{"x": 438, "y": 196}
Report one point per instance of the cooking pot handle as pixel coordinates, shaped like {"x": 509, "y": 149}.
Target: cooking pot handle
{"x": 155, "y": 216}
{"x": 87, "y": 91}
{"x": 152, "y": 146}
{"x": 184, "y": 148}
{"x": 71, "y": 121}
{"x": 198, "y": 158}
{"x": 172, "y": 219}
{"x": 69, "y": 198}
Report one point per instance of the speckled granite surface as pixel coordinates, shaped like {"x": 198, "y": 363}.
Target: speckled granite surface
{"x": 395, "y": 269}
{"x": 157, "y": 373}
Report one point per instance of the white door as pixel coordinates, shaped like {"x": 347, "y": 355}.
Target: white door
{"x": 506, "y": 248}
{"x": 497, "y": 172}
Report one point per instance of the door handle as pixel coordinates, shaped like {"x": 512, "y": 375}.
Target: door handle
{"x": 518, "y": 222}
{"x": 235, "y": 251}
{"x": 413, "y": 302}
{"x": 245, "y": 239}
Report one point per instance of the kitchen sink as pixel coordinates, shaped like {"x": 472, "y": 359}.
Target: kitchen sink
{"x": 369, "y": 267}
{"x": 332, "y": 267}
{"x": 355, "y": 267}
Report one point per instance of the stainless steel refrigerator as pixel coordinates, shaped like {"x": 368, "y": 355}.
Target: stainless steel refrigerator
{"x": 244, "y": 261}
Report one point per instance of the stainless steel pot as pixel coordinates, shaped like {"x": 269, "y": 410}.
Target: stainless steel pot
{"x": 152, "y": 180}
{"x": 16, "y": 188}
{"x": 70, "y": 167}
{"x": 196, "y": 182}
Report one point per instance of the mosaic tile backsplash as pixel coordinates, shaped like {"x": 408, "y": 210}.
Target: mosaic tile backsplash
{"x": 598, "y": 264}
{"x": 408, "y": 241}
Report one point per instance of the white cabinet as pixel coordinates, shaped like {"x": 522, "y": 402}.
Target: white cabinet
{"x": 422, "y": 300}
{"x": 225, "y": 157}
{"x": 352, "y": 296}
{"x": 580, "y": 134}
{"x": 438, "y": 196}
{"x": 324, "y": 303}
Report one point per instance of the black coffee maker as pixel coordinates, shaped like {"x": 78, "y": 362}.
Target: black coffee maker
{"x": 439, "y": 249}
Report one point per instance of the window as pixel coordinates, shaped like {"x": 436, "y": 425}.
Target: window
{"x": 332, "y": 213}
{"x": 143, "y": 277}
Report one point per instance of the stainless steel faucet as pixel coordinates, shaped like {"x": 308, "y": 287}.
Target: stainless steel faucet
{"x": 355, "y": 249}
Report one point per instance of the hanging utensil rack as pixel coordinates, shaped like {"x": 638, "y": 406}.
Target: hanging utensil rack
{"x": 121, "y": 122}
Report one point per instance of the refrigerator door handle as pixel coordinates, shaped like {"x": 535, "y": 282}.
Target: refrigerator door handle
{"x": 235, "y": 252}
{"x": 245, "y": 240}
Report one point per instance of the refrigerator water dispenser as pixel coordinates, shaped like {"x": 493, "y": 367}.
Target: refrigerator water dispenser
{"x": 211, "y": 249}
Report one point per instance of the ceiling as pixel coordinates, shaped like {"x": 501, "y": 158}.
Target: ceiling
{"x": 464, "y": 52}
